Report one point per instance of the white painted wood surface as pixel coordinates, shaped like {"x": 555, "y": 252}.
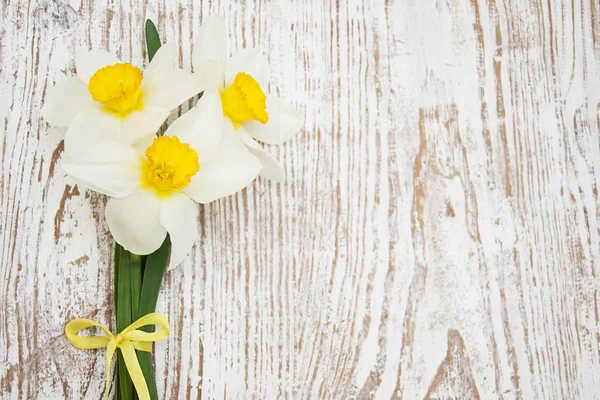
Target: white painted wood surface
{"x": 438, "y": 235}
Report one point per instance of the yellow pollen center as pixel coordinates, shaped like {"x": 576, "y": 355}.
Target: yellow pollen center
{"x": 244, "y": 100}
{"x": 117, "y": 87}
{"x": 170, "y": 164}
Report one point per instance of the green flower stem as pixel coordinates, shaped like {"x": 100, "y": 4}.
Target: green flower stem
{"x": 117, "y": 254}
{"x": 134, "y": 298}
{"x": 156, "y": 264}
{"x": 126, "y": 268}
{"x": 136, "y": 284}
{"x": 135, "y": 270}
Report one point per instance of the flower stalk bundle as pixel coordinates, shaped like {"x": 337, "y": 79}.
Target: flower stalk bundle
{"x": 112, "y": 111}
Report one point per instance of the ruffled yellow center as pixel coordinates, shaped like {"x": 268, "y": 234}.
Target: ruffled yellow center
{"x": 244, "y": 100}
{"x": 117, "y": 87}
{"x": 170, "y": 164}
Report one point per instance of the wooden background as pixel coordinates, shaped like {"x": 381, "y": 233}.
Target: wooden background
{"x": 438, "y": 236}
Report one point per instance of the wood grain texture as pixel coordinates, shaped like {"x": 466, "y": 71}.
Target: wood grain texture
{"x": 438, "y": 236}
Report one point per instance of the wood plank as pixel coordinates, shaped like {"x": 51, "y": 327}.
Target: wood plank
{"x": 437, "y": 237}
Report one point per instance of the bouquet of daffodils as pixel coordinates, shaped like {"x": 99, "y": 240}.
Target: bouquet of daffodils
{"x": 112, "y": 111}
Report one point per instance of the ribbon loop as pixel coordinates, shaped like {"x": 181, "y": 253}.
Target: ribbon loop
{"x": 142, "y": 346}
{"x": 129, "y": 340}
{"x": 90, "y": 342}
{"x": 154, "y": 318}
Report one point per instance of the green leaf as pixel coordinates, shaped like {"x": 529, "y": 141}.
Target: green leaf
{"x": 118, "y": 249}
{"x": 154, "y": 271}
{"x": 152, "y": 39}
{"x": 136, "y": 284}
{"x": 124, "y": 315}
{"x": 156, "y": 264}
{"x": 135, "y": 270}
{"x": 127, "y": 294}
{"x": 143, "y": 261}
{"x": 117, "y": 391}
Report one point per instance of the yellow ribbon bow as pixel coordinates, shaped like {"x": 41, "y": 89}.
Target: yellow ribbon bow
{"x": 128, "y": 341}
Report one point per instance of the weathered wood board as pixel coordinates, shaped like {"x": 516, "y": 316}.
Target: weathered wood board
{"x": 438, "y": 236}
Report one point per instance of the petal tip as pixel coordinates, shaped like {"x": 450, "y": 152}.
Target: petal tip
{"x": 172, "y": 266}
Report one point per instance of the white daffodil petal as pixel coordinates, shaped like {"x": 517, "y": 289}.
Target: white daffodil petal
{"x": 134, "y": 221}
{"x": 163, "y": 60}
{"x": 140, "y": 125}
{"x": 179, "y": 215}
{"x": 210, "y": 44}
{"x": 168, "y": 89}
{"x": 247, "y": 139}
{"x": 109, "y": 168}
{"x": 201, "y": 127}
{"x": 142, "y": 144}
{"x": 232, "y": 168}
{"x": 89, "y": 127}
{"x": 88, "y": 62}
{"x": 250, "y": 61}
{"x": 284, "y": 122}
{"x": 271, "y": 167}
{"x": 64, "y": 100}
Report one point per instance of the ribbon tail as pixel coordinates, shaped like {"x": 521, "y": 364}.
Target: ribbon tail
{"x": 135, "y": 372}
{"x": 110, "y": 351}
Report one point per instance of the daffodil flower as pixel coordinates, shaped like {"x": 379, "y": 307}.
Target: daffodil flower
{"x": 117, "y": 97}
{"x": 240, "y": 83}
{"x": 154, "y": 190}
